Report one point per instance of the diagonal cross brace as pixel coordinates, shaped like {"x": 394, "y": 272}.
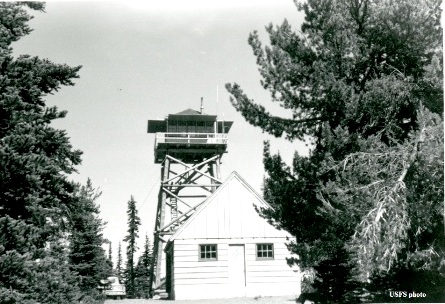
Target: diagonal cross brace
{"x": 195, "y": 168}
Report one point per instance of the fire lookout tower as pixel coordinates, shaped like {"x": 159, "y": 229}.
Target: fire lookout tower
{"x": 189, "y": 146}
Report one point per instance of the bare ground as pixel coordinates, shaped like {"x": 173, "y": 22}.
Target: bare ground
{"x": 259, "y": 300}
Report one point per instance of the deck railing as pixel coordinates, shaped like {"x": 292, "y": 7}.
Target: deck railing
{"x": 191, "y": 138}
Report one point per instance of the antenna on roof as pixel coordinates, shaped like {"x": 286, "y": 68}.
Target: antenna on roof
{"x": 202, "y": 105}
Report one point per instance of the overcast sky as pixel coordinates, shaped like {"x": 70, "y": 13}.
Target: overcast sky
{"x": 144, "y": 60}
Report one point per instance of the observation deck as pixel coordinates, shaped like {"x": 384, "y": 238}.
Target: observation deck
{"x": 189, "y": 136}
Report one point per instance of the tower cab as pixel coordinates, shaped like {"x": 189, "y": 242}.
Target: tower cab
{"x": 190, "y": 136}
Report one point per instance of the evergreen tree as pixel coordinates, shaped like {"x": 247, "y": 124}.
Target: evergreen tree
{"x": 119, "y": 266}
{"x": 364, "y": 87}
{"x": 87, "y": 257}
{"x": 143, "y": 273}
{"x": 35, "y": 160}
{"x": 110, "y": 258}
{"x": 133, "y": 228}
{"x": 33, "y": 275}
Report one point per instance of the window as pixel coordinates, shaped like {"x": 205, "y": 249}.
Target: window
{"x": 208, "y": 252}
{"x": 264, "y": 251}
{"x": 172, "y": 126}
{"x": 200, "y": 127}
{"x": 182, "y": 126}
{"x": 191, "y": 127}
{"x": 209, "y": 127}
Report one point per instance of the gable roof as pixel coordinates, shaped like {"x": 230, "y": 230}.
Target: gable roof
{"x": 189, "y": 112}
{"x": 229, "y": 211}
{"x": 191, "y": 115}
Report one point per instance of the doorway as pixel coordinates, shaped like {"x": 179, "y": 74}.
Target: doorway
{"x": 237, "y": 270}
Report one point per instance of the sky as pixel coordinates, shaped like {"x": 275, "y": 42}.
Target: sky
{"x": 144, "y": 60}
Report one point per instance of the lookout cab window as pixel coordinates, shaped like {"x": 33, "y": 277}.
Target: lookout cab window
{"x": 172, "y": 126}
{"x": 207, "y": 252}
{"x": 182, "y": 126}
{"x": 264, "y": 251}
{"x": 200, "y": 127}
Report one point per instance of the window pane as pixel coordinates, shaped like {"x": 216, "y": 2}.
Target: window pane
{"x": 208, "y": 252}
{"x": 265, "y": 251}
{"x": 182, "y": 126}
{"x": 200, "y": 127}
{"x": 209, "y": 127}
{"x": 173, "y": 126}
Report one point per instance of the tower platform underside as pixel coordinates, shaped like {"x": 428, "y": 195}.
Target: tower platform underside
{"x": 192, "y": 153}
{"x": 189, "y": 147}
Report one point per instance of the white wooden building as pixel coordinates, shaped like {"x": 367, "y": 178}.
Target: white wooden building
{"x": 226, "y": 249}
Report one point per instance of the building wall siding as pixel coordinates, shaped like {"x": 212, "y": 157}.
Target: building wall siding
{"x": 195, "y": 279}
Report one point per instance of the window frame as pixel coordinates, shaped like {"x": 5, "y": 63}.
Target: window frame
{"x": 191, "y": 127}
{"x": 172, "y": 126}
{"x": 200, "y": 252}
{"x": 182, "y": 126}
{"x": 267, "y": 251}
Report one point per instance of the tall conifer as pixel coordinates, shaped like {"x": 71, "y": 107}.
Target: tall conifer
{"x": 366, "y": 94}
{"x": 110, "y": 258}
{"x": 133, "y": 228}
{"x": 142, "y": 271}
{"x": 35, "y": 160}
{"x": 119, "y": 265}
{"x": 87, "y": 257}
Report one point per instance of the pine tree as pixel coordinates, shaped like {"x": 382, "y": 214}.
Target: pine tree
{"x": 87, "y": 257}
{"x": 119, "y": 266}
{"x": 110, "y": 252}
{"x": 35, "y": 160}
{"x": 133, "y": 228}
{"x": 367, "y": 95}
{"x": 143, "y": 273}
{"x": 110, "y": 259}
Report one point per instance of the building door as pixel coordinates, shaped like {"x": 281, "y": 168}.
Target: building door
{"x": 237, "y": 270}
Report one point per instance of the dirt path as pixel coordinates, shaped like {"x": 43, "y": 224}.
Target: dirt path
{"x": 261, "y": 300}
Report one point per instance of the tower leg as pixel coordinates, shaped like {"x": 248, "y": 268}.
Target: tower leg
{"x": 218, "y": 168}
{"x": 211, "y": 170}
{"x": 156, "y": 264}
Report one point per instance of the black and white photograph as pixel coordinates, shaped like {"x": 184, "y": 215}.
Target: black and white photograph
{"x": 236, "y": 152}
